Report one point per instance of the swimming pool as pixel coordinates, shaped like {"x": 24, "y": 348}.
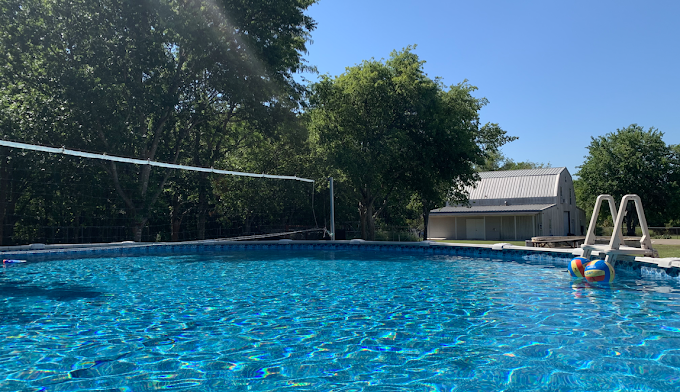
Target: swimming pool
{"x": 331, "y": 320}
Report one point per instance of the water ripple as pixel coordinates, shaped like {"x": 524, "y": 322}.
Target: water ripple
{"x": 327, "y": 321}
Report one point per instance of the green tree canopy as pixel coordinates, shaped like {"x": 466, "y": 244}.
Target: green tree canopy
{"x": 632, "y": 161}
{"x": 137, "y": 78}
{"x": 496, "y": 161}
{"x": 385, "y": 126}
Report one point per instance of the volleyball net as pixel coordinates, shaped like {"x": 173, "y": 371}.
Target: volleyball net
{"x": 59, "y": 195}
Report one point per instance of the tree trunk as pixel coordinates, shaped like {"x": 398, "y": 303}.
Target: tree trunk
{"x": 8, "y": 222}
{"x": 175, "y": 218}
{"x": 9, "y": 194}
{"x": 137, "y": 222}
{"x": 367, "y": 220}
{"x": 427, "y": 206}
{"x": 201, "y": 225}
{"x": 175, "y": 228}
{"x": 4, "y": 190}
{"x": 631, "y": 219}
{"x": 77, "y": 239}
{"x": 137, "y": 228}
{"x": 426, "y": 220}
{"x": 362, "y": 219}
{"x": 248, "y": 223}
{"x": 202, "y": 205}
{"x": 370, "y": 222}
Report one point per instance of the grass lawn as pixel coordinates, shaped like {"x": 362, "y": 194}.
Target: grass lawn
{"x": 664, "y": 250}
{"x": 667, "y": 250}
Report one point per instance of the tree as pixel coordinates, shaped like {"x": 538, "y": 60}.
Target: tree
{"x": 496, "y": 161}
{"x": 632, "y": 161}
{"x": 444, "y": 154}
{"x": 356, "y": 129}
{"x": 250, "y": 202}
{"x": 136, "y": 78}
{"x": 386, "y": 126}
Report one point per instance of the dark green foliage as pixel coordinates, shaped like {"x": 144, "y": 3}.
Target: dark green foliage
{"x": 632, "y": 161}
{"x": 210, "y": 83}
{"x": 386, "y": 127}
{"x": 163, "y": 80}
{"x": 496, "y": 161}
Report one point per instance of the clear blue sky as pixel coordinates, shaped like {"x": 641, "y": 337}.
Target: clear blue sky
{"x": 555, "y": 73}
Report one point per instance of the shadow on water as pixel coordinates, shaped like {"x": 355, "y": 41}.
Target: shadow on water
{"x": 11, "y": 316}
{"x": 64, "y": 292}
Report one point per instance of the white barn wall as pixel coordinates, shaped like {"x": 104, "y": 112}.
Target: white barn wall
{"x": 499, "y": 227}
{"x": 508, "y": 227}
{"x": 552, "y": 221}
{"x": 493, "y": 228}
{"x": 525, "y": 227}
{"x": 566, "y": 202}
{"x": 462, "y": 228}
{"x": 550, "y": 186}
{"x": 442, "y": 227}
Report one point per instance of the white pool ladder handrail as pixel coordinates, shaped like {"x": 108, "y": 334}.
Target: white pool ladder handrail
{"x": 614, "y": 247}
{"x": 645, "y": 240}
{"x": 590, "y": 236}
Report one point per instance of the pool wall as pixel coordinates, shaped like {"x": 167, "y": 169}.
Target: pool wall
{"x": 645, "y": 266}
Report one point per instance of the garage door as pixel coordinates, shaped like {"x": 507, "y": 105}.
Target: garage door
{"x": 474, "y": 229}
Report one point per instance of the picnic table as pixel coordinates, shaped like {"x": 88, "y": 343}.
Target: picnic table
{"x": 575, "y": 241}
{"x": 556, "y": 242}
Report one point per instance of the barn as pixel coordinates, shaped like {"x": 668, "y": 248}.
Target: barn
{"x": 513, "y": 205}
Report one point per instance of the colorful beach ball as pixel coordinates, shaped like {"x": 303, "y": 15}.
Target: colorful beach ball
{"x": 576, "y": 267}
{"x": 599, "y": 271}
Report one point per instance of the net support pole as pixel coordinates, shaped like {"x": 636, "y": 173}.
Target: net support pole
{"x": 332, "y": 211}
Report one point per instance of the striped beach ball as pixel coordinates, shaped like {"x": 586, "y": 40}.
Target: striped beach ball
{"x": 576, "y": 267}
{"x": 599, "y": 271}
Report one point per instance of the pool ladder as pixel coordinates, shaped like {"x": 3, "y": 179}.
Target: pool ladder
{"x": 615, "y": 248}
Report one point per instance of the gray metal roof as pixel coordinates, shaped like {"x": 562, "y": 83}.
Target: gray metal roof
{"x": 519, "y": 208}
{"x": 513, "y": 184}
{"x": 524, "y": 172}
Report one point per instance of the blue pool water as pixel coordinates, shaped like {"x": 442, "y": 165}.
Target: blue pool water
{"x": 335, "y": 320}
